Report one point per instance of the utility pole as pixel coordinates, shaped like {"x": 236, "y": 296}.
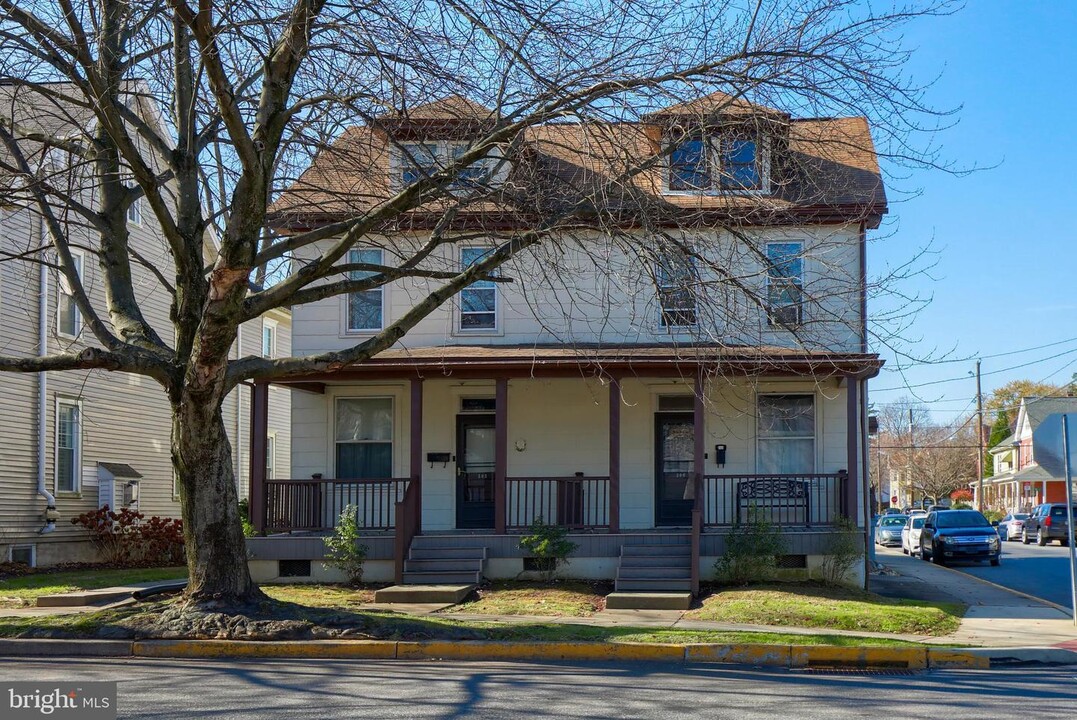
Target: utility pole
{"x": 979, "y": 442}
{"x": 908, "y": 471}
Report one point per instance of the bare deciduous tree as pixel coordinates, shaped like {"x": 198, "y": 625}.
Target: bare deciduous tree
{"x": 205, "y": 113}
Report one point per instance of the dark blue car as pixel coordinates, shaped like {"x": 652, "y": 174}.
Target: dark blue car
{"x": 959, "y": 535}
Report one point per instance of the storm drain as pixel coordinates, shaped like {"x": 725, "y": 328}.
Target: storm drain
{"x": 902, "y": 672}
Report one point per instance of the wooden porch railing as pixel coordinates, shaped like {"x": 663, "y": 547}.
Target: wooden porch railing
{"x": 804, "y": 500}
{"x": 408, "y": 512}
{"x": 580, "y": 502}
{"x": 316, "y": 504}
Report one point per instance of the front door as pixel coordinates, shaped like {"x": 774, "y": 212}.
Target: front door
{"x": 674, "y": 468}
{"x": 475, "y": 471}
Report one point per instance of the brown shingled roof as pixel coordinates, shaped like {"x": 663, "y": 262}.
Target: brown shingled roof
{"x": 823, "y": 170}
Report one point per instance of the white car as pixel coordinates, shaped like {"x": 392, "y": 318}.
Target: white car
{"x": 1010, "y": 527}
{"x": 910, "y": 534}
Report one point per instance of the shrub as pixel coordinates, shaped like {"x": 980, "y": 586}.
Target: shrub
{"x": 122, "y": 538}
{"x": 994, "y": 515}
{"x": 961, "y": 495}
{"x": 844, "y": 550}
{"x": 343, "y": 549}
{"x": 961, "y": 505}
{"x": 245, "y": 518}
{"x": 550, "y": 545}
{"x": 751, "y": 551}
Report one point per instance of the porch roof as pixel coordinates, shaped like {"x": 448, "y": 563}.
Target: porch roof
{"x": 487, "y": 361}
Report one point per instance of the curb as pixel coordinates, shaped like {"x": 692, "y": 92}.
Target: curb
{"x": 787, "y": 656}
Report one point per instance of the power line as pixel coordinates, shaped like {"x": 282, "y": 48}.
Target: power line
{"x": 993, "y": 372}
{"x": 993, "y": 355}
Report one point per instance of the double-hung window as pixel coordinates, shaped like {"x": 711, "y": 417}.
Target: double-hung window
{"x": 740, "y": 164}
{"x": 68, "y": 317}
{"x": 785, "y": 283}
{"x": 675, "y": 278}
{"x": 478, "y": 301}
{"x": 785, "y": 441}
{"x": 269, "y": 338}
{"x": 418, "y": 160}
{"x": 365, "y": 308}
{"x": 364, "y": 438}
{"x": 68, "y": 445}
{"x": 689, "y": 165}
{"x": 134, "y": 211}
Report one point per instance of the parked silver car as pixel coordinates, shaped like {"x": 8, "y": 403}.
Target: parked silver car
{"x": 888, "y": 531}
{"x": 910, "y": 534}
{"x": 1010, "y": 527}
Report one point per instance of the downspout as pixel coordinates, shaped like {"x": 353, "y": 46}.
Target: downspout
{"x": 42, "y": 400}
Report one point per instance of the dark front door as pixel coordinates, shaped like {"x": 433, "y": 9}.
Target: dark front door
{"x": 474, "y": 471}
{"x": 674, "y": 467}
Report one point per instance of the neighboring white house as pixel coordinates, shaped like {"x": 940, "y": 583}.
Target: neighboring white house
{"x": 90, "y": 438}
{"x": 610, "y": 401}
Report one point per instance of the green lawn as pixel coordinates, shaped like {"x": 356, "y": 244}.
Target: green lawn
{"x": 25, "y": 590}
{"x": 130, "y": 621}
{"x": 321, "y": 595}
{"x": 817, "y": 606}
{"x": 563, "y": 599}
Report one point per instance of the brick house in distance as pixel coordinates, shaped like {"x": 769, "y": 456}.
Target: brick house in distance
{"x": 612, "y": 400}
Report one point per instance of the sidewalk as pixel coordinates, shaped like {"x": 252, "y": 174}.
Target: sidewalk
{"x": 996, "y": 617}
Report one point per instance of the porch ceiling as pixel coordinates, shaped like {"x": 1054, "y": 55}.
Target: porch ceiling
{"x": 598, "y": 361}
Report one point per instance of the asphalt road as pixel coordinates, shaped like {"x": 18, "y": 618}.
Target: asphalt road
{"x": 326, "y": 690}
{"x": 1043, "y": 572}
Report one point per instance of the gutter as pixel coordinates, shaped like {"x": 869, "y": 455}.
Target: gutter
{"x": 42, "y": 401}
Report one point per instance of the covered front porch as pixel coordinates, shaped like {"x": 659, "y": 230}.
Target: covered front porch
{"x": 608, "y": 443}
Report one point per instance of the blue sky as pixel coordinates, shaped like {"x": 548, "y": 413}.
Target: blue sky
{"x": 1006, "y": 273}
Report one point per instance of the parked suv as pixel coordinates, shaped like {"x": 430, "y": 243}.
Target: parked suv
{"x": 1047, "y": 522}
{"x": 959, "y": 535}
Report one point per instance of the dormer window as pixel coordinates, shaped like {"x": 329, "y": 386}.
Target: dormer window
{"x": 713, "y": 162}
{"x": 420, "y": 160}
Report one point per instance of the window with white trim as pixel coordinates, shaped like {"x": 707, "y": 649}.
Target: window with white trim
{"x": 704, "y": 162}
{"x": 785, "y": 438}
{"x": 418, "y": 160}
{"x": 364, "y": 438}
{"x": 269, "y": 338}
{"x": 478, "y": 301}
{"x": 271, "y": 456}
{"x": 68, "y": 446}
{"x": 24, "y": 554}
{"x": 68, "y": 317}
{"x": 675, "y": 279}
{"x": 785, "y": 283}
{"x": 365, "y": 308}
{"x": 134, "y": 211}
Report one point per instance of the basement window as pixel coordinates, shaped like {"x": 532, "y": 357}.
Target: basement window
{"x": 24, "y": 554}
{"x": 293, "y": 568}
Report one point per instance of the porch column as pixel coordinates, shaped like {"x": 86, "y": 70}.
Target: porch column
{"x": 615, "y": 455}
{"x": 699, "y": 437}
{"x": 852, "y": 385}
{"x": 416, "y": 445}
{"x": 259, "y": 441}
{"x": 501, "y": 451}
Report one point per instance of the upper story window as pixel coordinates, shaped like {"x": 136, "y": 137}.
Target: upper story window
{"x": 712, "y": 162}
{"x": 419, "y": 160}
{"x": 675, "y": 278}
{"x": 785, "y": 283}
{"x": 478, "y": 301}
{"x": 68, "y": 317}
{"x": 365, "y": 308}
{"x": 269, "y": 338}
{"x": 134, "y": 211}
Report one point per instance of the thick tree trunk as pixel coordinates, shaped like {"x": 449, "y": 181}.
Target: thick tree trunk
{"x": 216, "y": 549}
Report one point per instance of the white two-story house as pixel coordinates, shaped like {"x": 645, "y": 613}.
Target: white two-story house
{"x": 644, "y": 402}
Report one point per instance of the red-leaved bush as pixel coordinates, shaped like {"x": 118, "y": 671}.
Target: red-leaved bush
{"x": 126, "y": 538}
{"x": 961, "y": 495}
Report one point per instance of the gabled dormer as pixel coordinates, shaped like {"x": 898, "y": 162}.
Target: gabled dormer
{"x": 719, "y": 144}
{"x": 428, "y": 138}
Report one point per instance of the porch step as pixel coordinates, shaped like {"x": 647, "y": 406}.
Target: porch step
{"x": 649, "y": 601}
{"x": 655, "y": 567}
{"x": 443, "y": 565}
{"x": 654, "y": 584}
{"x": 443, "y": 577}
{"x": 421, "y": 552}
{"x": 683, "y": 572}
{"x": 423, "y": 593}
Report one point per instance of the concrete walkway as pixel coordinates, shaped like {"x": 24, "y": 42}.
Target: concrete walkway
{"x": 996, "y": 617}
